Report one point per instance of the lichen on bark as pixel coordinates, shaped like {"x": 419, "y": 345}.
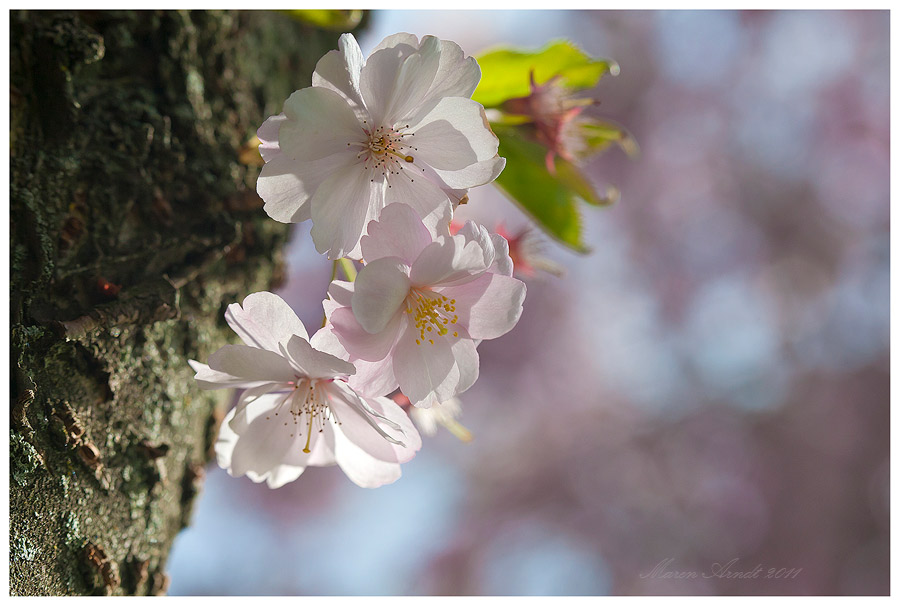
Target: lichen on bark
{"x": 133, "y": 223}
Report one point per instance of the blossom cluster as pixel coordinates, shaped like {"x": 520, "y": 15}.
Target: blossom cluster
{"x": 377, "y": 153}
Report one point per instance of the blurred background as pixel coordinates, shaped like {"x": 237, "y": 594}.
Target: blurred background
{"x": 710, "y": 383}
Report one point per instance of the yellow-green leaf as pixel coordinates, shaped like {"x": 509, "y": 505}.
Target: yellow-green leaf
{"x": 505, "y": 73}
{"x": 550, "y": 200}
{"x": 337, "y": 20}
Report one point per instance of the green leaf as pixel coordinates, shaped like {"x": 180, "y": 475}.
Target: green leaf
{"x": 505, "y": 73}
{"x": 337, "y": 20}
{"x": 550, "y": 200}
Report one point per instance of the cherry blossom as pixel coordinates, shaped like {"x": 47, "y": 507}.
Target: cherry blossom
{"x": 421, "y": 304}
{"x": 297, "y": 409}
{"x": 399, "y": 126}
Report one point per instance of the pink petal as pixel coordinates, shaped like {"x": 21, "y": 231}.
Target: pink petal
{"x": 426, "y": 372}
{"x": 379, "y": 290}
{"x": 447, "y": 260}
{"x": 489, "y": 306}
{"x": 362, "y": 344}
{"x": 373, "y": 379}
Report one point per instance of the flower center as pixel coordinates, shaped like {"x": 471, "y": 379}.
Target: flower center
{"x": 309, "y": 403}
{"x": 432, "y": 314}
{"x": 386, "y": 150}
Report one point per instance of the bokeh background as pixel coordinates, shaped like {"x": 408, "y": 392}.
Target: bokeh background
{"x": 711, "y": 383}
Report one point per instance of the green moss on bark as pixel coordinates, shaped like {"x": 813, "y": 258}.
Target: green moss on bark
{"x": 133, "y": 225}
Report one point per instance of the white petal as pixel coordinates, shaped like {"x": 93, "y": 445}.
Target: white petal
{"x": 430, "y": 202}
{"x": 378, "y": 78}
{"x": 264, "y": 320}
{"x": 340, "y": 208}
{"x": 268, "y": 137}
{"x": 363, "y": 469}
{"x": 339, "y": 70}
{"x": 320, "y": 123}
{"x": 413, "y": 80}
{"x": 326, "y": 341}
{"x": 489, "y": 306}
{"x": 399, "y": 232}
{"x": 480, "y": 173}
{"x": 379, "y": 290}
{"x": 457, "y": 75}
{"x": 207, "y": 378}
{"x": 286, "y": 185}
{"x": 361, "y": 344}
{"x": 252, "y": 364}
{"x": 316, "y": 364}
{"x": 374, "y": 433}
{"x": 402, "y": 38}
{"x": 454, "y": 134}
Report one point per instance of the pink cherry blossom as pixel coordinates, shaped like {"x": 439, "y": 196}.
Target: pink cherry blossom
{"x": 421, "y": 304}
{"x": 297, "y": 409}
{"x": 399, "y": 126}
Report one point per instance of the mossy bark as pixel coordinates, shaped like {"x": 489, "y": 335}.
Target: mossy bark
{"x": 134, "y": 222}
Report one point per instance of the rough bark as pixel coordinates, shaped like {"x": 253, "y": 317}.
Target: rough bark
{"x": 133, "y": 224}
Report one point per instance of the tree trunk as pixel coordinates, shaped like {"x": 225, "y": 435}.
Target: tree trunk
{"x": 134, "y": 223}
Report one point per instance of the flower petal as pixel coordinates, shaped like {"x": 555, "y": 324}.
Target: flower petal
{"x": 339, "y": 70}
{"x": 316, "y": 364}
{"x": 455, "y": 134}
{"x": 287, "y": 185}
{"x": 399, "y": 232}
{"x": 429, "y": 201}
{"x": 414, "y": 79}
{"x": 207, "y": 378}
{"x": 394, "y": 40}
{"x": 503, "y": 263}
{"x": 340, "y": 208}
{"x": 361, "y": 344}
{"x": 480, "y": 173}
{"x": 363, "y": 469}
{"x": 252, "y": 364}
{"x": 465, "y": 355}
{"x": 379, "y": 290}
{"x": 489, "y": 306}
{"x": 268, "y": 137}
{"x": 426, "y": 372}
{"x": 373, "y": 379}
{"x": 320, "y": 123}
{"x": 445, "y": 260}
{"x": 264, "y": 320}
{"x": 378, "y": 78}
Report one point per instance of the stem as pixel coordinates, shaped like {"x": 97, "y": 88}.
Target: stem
{"x": 348, "y": 268}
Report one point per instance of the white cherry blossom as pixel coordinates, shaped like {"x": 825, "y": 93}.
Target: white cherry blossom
{"x": 399, "y": 126}
{"x": 421, "y": 304}
{"x": 297, "y": 409}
